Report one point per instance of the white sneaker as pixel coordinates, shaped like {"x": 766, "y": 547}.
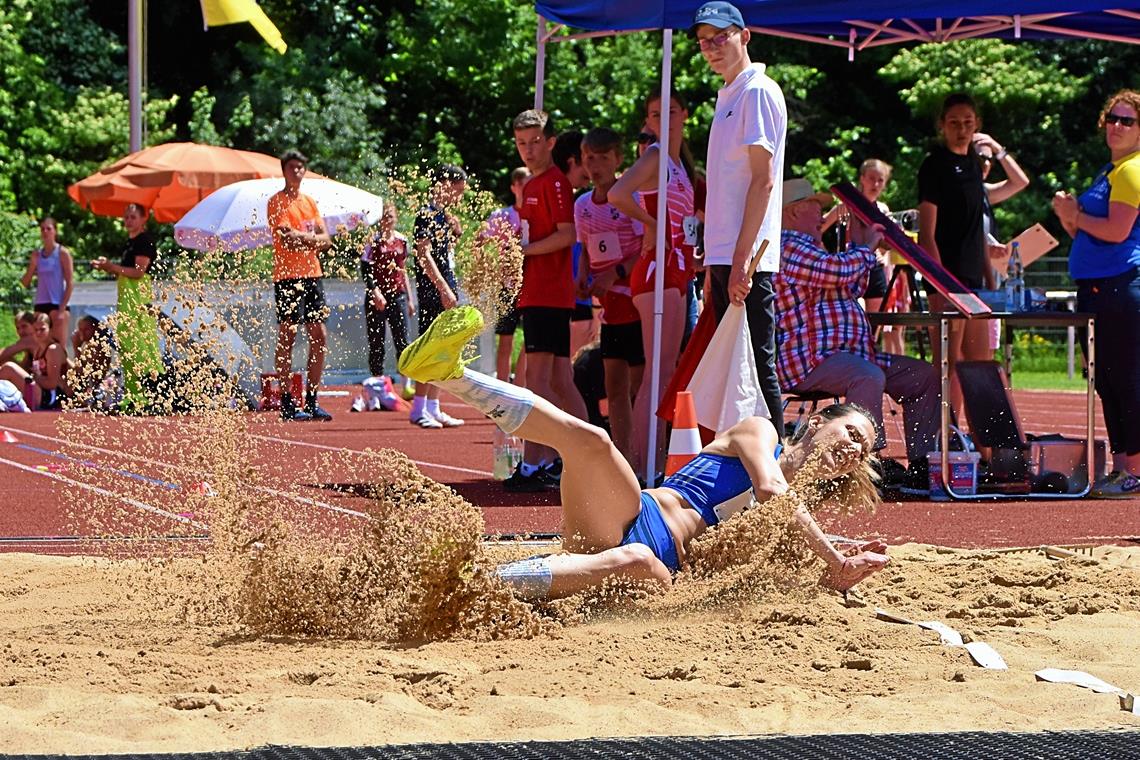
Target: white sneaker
{"x": 426, "y": 421}
{"x": 357, "y": 404}
{"x": 446, "y": 420}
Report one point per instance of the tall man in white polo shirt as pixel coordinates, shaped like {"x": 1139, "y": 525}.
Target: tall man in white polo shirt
{"x": 745, "y": 178}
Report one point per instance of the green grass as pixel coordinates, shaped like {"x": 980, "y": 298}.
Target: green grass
{"x": 1057, "y": 380}
{"x": 7, "y": 331}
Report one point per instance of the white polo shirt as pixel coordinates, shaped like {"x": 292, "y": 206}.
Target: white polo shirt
{"x": 750, "y": 111}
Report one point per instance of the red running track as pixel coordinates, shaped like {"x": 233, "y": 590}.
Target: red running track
{"x": 137, "y": 472}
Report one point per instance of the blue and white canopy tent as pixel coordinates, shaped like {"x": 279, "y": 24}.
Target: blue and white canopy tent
{"x": 839, "y": 23}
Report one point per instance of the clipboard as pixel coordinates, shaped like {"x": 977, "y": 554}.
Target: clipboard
{"x": 1034, "y": 243}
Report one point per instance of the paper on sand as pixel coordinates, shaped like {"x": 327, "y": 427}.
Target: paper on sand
{"x": 981, "y": 653}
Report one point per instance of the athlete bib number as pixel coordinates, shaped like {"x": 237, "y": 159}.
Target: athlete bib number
{"x": 690, "y": 225}
{"x": 604, "y": 249}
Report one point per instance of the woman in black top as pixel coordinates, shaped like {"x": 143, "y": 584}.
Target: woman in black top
{"x": 951, "y": 210}
{"x": 135, "y": 325}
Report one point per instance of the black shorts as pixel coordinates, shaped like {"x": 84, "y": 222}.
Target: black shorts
{"x": 546, "y": 330}
{"x": 508, "y": 323}
{"x": 623, "y": 342}
{"x": 877, "y": 284}
{"x": 582, "y": 312}
{"x": 429, "y": 304}
{"x": 45, "y": 308}
{"x": 300, "y": 301}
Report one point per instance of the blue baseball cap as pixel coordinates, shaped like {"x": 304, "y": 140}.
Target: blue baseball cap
{"x": 719, "y": 14}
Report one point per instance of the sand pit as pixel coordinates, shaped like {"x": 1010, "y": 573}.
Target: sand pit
{"x": 84, "y": 668}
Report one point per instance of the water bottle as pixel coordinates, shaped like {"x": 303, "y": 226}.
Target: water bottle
{"x": 501, "y": 465}
{"x": 1014, "y": 281}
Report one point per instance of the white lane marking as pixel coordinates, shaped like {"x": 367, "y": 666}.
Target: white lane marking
{"x": 168, "y": 465}
{"x": 104, "y": 492}
{"x": 322, "y": 446}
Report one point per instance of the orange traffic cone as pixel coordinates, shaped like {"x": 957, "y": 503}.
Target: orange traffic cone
{"x": 685, "y": 440}
{"x": 7, "y": 437}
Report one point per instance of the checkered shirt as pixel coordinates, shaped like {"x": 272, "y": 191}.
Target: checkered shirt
{"x": 817, "y": 306}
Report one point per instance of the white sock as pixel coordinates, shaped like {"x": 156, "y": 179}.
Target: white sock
{"x": 506, "y": 404}
{"x": 418, "y": 403}
{"x": 432, "y": 407}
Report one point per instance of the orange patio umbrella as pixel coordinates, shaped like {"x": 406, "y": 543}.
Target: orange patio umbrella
{"x": 169, "y": 178}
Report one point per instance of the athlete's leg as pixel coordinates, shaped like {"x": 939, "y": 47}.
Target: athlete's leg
{"x": 600, "y": 495}
{"x": 560, "y": 575}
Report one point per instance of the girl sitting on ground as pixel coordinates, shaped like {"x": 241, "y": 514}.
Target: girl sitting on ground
{"x": 614, "y": 529}
{"x": 49, "y": 365}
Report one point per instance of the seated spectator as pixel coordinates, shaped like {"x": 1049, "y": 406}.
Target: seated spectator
{"x": 24, "y": 344}
{"x": 90, "y": 373}
{"x": 823, "y": 338}
{"x": 49, "y": 364}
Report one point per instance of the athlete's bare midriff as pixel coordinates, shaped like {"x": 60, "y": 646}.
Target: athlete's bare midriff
{"x": 684, "y": 522}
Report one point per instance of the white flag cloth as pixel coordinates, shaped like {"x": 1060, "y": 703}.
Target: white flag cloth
{"x": 725, "y": 384}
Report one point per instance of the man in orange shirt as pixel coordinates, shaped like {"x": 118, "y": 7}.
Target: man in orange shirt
{"x": 298, "y": 236}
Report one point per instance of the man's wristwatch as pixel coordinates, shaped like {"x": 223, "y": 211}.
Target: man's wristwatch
{"x": 621, "y": 273}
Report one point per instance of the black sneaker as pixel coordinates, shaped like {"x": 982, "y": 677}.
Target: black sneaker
{"x": 314, "y": 411}
{"x": 536, "y": 483}
{"x": 289, "y": 410}
{"x": 553, "y": 470}
{"x": 916, "y": 482}
{"x": 891, "y": 474}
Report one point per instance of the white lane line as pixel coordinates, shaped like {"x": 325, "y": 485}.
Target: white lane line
{"x": 323, "y": 447}
{"x": 168, "y": 465}
{"x": 104, "y": 492}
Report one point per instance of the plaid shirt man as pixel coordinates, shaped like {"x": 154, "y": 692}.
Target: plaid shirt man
{"x": 817, "y": 308}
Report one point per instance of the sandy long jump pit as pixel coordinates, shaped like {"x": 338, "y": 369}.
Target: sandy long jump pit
{"x": 397, "y": 633}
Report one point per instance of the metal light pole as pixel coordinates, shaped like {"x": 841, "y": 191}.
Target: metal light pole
{"x": 136, "y": 40}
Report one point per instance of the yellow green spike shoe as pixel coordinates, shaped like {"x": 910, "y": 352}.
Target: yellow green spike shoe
{"x": 438, "y": 353}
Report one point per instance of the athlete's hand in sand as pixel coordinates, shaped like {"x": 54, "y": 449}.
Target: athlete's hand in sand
{"x": 851, "y": 548}
{"x": 854, "y": 570}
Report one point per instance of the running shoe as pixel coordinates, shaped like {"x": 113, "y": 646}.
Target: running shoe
{"x": 426, "y": 421}
{"x": 445, "y": 419}
{"x": 891, "y": 474}
{"x": 314, "y": 410}
{"x": 1116, "y": 485}
{"x": 438, "y": 353}
{"x": 290, "y": 412}
{"x": 553, "y": 469}
{"x": 539, "y": 482}
{"x": 916, "y": 480}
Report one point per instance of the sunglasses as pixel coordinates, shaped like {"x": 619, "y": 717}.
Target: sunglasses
{"x": 716, "y": 41}
{"x": 645, "y": 138}
{"x": 1115, "y": 118}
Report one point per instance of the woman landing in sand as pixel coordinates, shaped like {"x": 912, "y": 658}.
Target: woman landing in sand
{"x": 611, "y": 527}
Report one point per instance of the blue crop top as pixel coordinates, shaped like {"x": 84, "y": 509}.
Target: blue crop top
{"x": 708, "y": 481}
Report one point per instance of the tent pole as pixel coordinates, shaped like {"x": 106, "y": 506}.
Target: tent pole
{"x": 135, "y": 32}
{"x": 539, "y": 63}
{"x": 662, "y": 236}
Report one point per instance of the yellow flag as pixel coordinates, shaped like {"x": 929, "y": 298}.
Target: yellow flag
{"x": 220, "y": 12}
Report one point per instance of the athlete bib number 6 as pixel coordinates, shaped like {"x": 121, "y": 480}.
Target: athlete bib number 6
{"x": 604, "y": 249}
{"x": 690, "y": 223}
